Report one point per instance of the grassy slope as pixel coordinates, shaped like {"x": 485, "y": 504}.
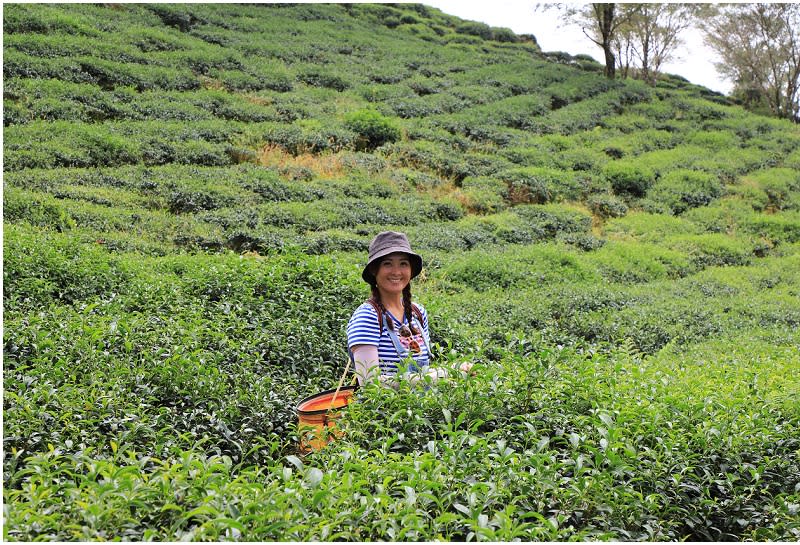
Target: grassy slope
{"x": 620, "y": 261}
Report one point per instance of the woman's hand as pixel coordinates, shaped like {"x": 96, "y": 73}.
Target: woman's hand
{"x": 466, "y": 367}
{"x": 437, "y": 373}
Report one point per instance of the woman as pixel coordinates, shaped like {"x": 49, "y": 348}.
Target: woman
{"x": 389, "y": 328}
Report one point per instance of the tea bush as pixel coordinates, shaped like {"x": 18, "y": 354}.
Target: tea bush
{"x": 634, "y": 143}
{"x": 712, "y": 249}
{"x": 373, "y": 129}
{"x": 662, "y": 161}
{"x": 580, "y": 159}
{"x": 55, "y": 268}
{"x": 484, "y": 194}
{"x": 32, "y": 208}
{"x": 780, "y": 186}
{"x": 729, "y": 165}
{"x": 649, "y": 227}
{"x": 607, "y": 206}
{"x": 680, "y": 190}
{"x": 540, "y": 185}
{"x": 776, "y": 228}
{"x": 629, "y": 178}
{"x": 627, "y": 262}
{"x": 528, "y": 266}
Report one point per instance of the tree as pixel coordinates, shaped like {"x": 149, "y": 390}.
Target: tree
{"x": 642, "y": 36}
{"x": 759, "y": 45}
{"x": 599, "y": 23}
{"x": 650, "y": 35}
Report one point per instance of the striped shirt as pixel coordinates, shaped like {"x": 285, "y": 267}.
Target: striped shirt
{"x": 363, "y": 329}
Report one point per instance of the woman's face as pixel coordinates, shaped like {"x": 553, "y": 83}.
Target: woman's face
{"x": 393, "y": 273}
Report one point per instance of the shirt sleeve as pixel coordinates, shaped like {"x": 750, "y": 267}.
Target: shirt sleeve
{"x": 366, "y": 358}
{"x": 363, "y": 327}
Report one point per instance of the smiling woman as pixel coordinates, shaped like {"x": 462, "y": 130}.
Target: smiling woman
{"x": 390, "y": 329}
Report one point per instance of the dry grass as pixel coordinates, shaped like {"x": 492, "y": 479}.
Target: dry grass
{"x": 322, "y": 165}
{"x": 211, "y": 83}
{"x": 260, "y": 101}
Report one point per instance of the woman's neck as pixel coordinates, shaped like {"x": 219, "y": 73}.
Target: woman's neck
{"x": 393, "y": 303}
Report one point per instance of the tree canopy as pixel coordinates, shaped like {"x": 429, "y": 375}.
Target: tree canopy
{"x": 759, "y": 45}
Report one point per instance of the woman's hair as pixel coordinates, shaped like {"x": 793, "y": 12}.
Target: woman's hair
{"x": 376, "y": 296}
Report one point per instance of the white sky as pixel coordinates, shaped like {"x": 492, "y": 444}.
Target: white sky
{"x": 695, "y": 64}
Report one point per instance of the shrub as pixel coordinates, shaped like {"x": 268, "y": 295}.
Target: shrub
{"x": 662, "y": 161}
{"x": 792, "y": 160}
{"x": 501, "y": 34}
{"x": 530, "y": 156}
{"x": 40, "y": 267}
{"x": 516, "y": 112}
{"x": 580, "y": 159}
{"x": 780, "y": 185}
{"x": 629, "y": 262}
{"x": 425, "y": 155}
{"x": 525, "y": 267}
{"x": 202, "y": 153}
{"x": 372, "y": 129}
{"x": 482, "y": 271}
{"x": 424, "y": 106}
{"x": 267, "y": 75}
{"x": 318, "y": 78}
{"x": 629, "y": 178}
{"x": 35, "y": 209}
{"x": 551, "y": 219}
{"x": 418, "y": 180}
{"x": 776, "y": 228}
{"x": 635, "y": 143}
{"x": 722, "y": 216}
{"x": 182, "y": 202}
{"x": 308, "y": 137}
{"x": 680, "y": 190}
{"x": 713, "y": 249}
{"x": 474, "y": 28}
{"x": 714, "y": 140}
{"x": 607, "y": 206}
{"x": 483, "y": 195}
{"x": 730, "y": 164}
{"x": 109, "y": 149}
{"x": 649, "y": 227}
{"x": 539, "y": 185}
{"x": 582, "y": 241}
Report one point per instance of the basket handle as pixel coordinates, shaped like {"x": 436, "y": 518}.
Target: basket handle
{"x": 341, "y": 381}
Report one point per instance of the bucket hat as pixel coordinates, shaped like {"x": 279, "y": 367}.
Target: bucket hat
{"x": 389, "y": 242}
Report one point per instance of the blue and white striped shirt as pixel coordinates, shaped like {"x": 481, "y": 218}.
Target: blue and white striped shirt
{"x": 363, "y": 329}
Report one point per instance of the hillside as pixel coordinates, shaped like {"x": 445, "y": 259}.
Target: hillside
{"x": 188, "y": 196}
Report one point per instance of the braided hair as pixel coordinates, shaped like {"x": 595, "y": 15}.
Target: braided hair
{"x": 407, "y": 312}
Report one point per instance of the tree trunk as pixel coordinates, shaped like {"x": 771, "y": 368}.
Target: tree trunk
{"x": 605, "y": 18}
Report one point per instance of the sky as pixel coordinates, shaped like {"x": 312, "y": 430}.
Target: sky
{"x": 695, "y": 62}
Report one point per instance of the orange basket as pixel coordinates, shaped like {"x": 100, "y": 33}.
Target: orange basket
{"x": 317, "y": 415}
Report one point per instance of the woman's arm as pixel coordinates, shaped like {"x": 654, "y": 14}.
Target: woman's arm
{"x": 366, "y": 358}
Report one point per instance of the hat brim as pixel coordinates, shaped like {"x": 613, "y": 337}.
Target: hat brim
{"x": 416, "y": 263}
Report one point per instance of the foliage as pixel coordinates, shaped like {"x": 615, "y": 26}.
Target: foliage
{"x": 607, "y": 206}
{"x": 189, "y": 193}
{"x": 628, "y": 177}
{"x": 372, "y": 128}
{"x": 756, "y": 44}
{"x": 681, "y": 190}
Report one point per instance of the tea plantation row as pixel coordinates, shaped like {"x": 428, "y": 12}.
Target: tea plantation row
{"x": 140, "y": 370}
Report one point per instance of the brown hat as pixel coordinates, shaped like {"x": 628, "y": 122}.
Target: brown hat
{"x": 389, "y": 242}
